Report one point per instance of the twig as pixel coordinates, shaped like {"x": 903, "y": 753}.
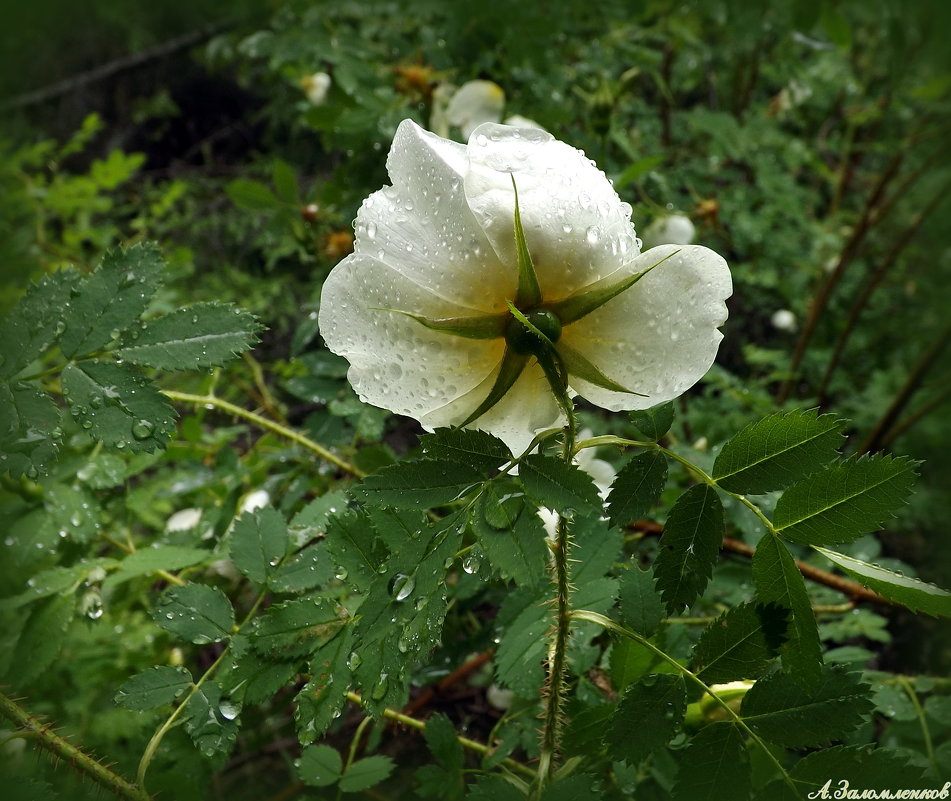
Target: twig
{"x": 111, "y": 68}
{"x": 873, "y": 283}
{"x": 465, "y": 742}
{"x": 60, "y": 747}
{"x": 821, "y": 298}
{"x": 463, "y": 671}
{"x": 925, "y": 409}
{"x": 925, "y": 363}
{"x": 265, "y": 423}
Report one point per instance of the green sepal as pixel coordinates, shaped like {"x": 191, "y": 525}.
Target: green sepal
{"x": 484, "y": 326}
{"x": 528, "y": 294}
{"x": 577, "y": 306}
{"x": 509, "y": 370}
{"x": 578, "y": 365}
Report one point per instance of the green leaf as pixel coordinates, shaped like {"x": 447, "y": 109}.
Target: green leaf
{"x": 42, "y": 638}
{"x": 305, "y": 570}
{"x": 715, "y": 766}
{"x": 322, "y": 698}
{"x": 580, "y": 787}
{"x": 196, "y": 613}
{"x": 149, "y": 560}
{"x": 779, "y": 581}
{"x": 402, "y": 616}
{"x": 778, "y": 450}
{"x": 117, "y": 406}
{"x": 295, "y": 628}
{"x": 689, "y": 546}
{"x": 211, "y": 720}
{"x": 781, "y": 711}
{"x": 511, "y": 534}
{"x": 203, "y": 335}
{"x": 102, "y": 471}
{"x": 859, "y": 767}
{"x": 353, "y": 548}
{"x": 32, "y": 325}
{"x": 29, "y": 430}
{"x": 646, "y": 718}
{"x": 419, "y": 484}
{"x": 285, "y": 182}
{"x": 494, "y": 788}
{"x": 259, "y": 542}
{"x": 637, "y": 487}
{"x": 559, "y": 486}
{"x": 111, "y": 299}
{"x": 640, "y": 604}
{"x": 741, "y": 643}
{"x": 251, "y": 195}
{"x": 917, "y": 595}
{"x": 312, "y": 520}
{"x": 845, "y": 500}
{"x": 441, "y": 738}
{"x": 73, "y": 511}
{"x": 472, "y": 447}
{"x": 252, "y": 678}
{"x": 630, "y": 662}
{"x": 153, "y": 687}
{"x": 366, "y": 772}
{"x": 653, "y": 423}
{"x": 319, "y": 766}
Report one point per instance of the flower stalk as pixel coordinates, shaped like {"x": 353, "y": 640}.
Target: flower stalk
{"x": 557, "y": 668}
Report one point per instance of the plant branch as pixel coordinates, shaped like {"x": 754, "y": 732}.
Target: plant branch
{"x": 915, "y": 379}
{"x": 609, "y": 625}
{"x": 873, "y": 282}
{"x": 44, "y": 736}
{"x": 269, "y": 425}
{"x": 465, "y": 742}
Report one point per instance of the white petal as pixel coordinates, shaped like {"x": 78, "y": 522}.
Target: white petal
{"x": 660, "y": 336}
{"x": 674, "y": 229}
{"x": 576, "y": 226}
{"x": 422, "y": 227}
{"x": 395, "y": 362}
{"x": 526, "y": 409}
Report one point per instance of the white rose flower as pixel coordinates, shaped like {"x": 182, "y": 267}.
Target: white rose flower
{"x": 254, "y": 500}
{"x": 453, "y": 311}
{"x": 183, "y": 520}
{"x": 783, "y": 320}
{"x": 316, "y": 87}
{"x": 674, "y": 229}
{"x": 474, "y": 103}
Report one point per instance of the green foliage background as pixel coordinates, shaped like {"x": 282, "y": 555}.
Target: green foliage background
{"x": 806, "y": 141}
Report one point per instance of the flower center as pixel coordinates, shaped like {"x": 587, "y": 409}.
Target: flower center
{"x": 523, "y": 340}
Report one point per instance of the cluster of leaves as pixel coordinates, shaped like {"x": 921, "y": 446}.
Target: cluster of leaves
{"x": 270, "y": 633}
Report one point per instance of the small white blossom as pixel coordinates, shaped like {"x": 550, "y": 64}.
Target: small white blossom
{"x": 674, "y": 229}
{"x": 254, "y": 501}
{"x": 183, "y": 520}
{"x": 474, "y": 103}
{"x": 430, "y": 308}
{"x": 316, "y": 87}
{"x": 783, "y": 320}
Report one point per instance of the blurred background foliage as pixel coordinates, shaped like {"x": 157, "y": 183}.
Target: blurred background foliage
{"x": 806, "y": 141}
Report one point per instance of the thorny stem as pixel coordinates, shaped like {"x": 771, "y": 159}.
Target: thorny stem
{"x": 558, "y": 648}
{"x": 265, "y": 423}
{"x": 609, "y": 625}
{"x": 60, "y": 747}
{"x": 465, "y": 742}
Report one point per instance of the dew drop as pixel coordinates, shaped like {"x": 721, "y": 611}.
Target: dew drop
{"x": 142, "y": 429}
{"x": 401, "y": 586}
{"x": 593, "y": 235}
{"x": 471, "y": 564}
